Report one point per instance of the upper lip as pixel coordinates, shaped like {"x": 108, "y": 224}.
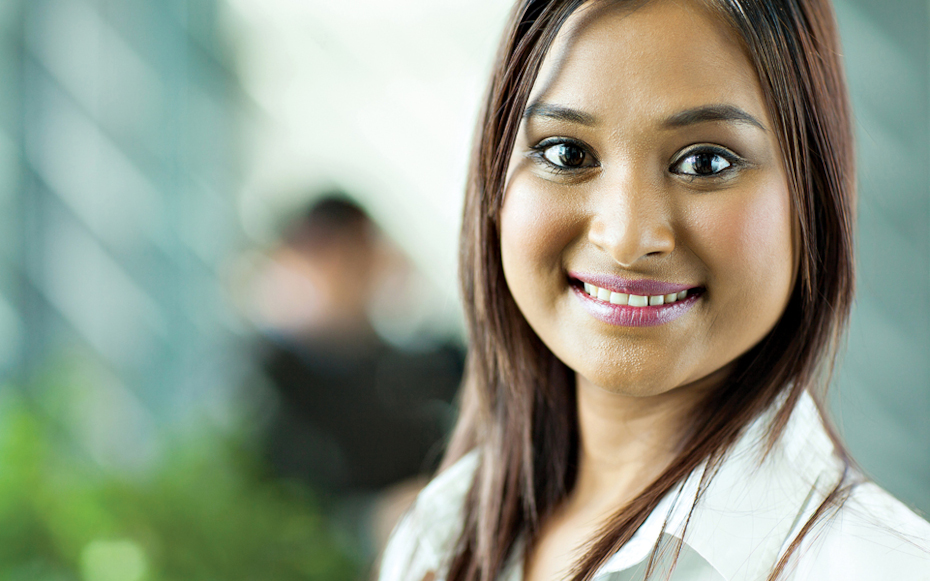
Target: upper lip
{"x": 619, "y": 284}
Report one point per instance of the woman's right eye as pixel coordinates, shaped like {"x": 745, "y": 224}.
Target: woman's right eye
{"x": 564, "y": 155}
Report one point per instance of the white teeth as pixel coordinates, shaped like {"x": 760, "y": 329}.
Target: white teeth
{"x": 603, "y": 294}
{"x": 638, "y": 301}
{"x": 619, "y": 298}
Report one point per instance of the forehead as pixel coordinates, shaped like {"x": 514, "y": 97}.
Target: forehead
{"x": 654, "y": 59}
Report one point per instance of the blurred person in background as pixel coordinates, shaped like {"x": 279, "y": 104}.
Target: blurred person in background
{"x": 356, "y": 417}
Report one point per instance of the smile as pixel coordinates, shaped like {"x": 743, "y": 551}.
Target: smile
{"x": 628, "y": 303}
{"x": 614, "y": 298}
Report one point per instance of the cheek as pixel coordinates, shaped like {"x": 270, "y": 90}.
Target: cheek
{"x": 536, "y": 226}
{"x": 752, "y": 247}
{"x": 761, "y": 231}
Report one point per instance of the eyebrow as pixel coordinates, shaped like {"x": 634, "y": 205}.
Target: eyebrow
{"x": 704, "y": 114}
{"x": 710, "y": 113}
{"x": 559, "y": 113}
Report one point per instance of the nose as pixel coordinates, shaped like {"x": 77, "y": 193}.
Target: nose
{"x": 631, "y": 222}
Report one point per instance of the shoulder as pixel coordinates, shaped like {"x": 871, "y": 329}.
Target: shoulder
{"x": 427, "y": 534}
{"x": 759, "y": 501}
{"x": 870, "y": 536}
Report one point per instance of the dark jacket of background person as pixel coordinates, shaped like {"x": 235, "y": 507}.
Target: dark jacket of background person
{"x": 359, "y": 417}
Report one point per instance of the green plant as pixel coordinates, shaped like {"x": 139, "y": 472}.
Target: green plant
{"x": 204, "y": 510}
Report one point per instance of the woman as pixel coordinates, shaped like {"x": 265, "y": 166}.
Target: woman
{"x": 657, "y": 266}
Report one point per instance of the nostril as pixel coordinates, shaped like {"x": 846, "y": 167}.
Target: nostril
{"x": 627, "y": 239}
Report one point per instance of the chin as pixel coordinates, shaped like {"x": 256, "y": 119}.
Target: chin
{"x": 631, "y": 384}
{"x": 638, "y": 381}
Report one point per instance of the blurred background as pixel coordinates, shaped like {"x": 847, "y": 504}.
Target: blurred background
{"x": 161, "y": 303}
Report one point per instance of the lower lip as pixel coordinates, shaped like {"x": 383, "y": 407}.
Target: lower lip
{"x": 627, "y": 316}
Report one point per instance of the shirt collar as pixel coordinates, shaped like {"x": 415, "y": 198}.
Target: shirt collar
{"x": 751, "y": 508}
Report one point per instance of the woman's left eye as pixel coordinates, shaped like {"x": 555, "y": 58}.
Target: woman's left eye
{"x": 704, "y": 163}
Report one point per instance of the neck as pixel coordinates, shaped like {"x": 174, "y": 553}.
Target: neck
{"x": 626, "y": 442}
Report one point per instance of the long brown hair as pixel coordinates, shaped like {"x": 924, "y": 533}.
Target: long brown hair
{"x": 515, "y": 386}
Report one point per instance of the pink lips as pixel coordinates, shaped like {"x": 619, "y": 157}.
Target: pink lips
{"x": 625, "y": 315}
{"x": 642, "y": 287}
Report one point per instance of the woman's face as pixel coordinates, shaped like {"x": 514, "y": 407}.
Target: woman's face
{"x": 647, "y": 172}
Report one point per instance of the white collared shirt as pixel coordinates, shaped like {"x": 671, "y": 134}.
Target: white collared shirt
{"x": 745, "y": 520}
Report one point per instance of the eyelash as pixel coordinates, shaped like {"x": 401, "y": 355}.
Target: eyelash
{"x": 538, "y": 153}
{"x": 735, "y": 162}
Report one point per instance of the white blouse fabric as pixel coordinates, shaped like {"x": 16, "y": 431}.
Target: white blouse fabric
{"x": 743, "y": 522}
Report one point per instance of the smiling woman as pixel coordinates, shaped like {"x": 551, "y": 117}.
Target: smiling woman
{"x": 643, "y": 167}
{"x": 657, "y": 265}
